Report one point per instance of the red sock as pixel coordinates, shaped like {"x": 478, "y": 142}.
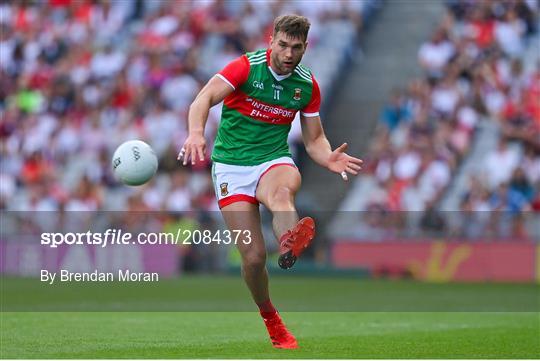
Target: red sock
{"x": 267, "y": 309}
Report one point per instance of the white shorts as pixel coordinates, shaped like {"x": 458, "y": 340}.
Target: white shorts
{"x": 236, "y": 183}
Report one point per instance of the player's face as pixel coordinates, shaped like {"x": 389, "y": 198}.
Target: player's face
{"x": 286, "y": 53}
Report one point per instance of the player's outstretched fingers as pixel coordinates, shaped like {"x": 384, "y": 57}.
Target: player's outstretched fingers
{"x": 357, "y": 161}
{"x": 193, "y": 154}
{"x": 187, "y": 154}
{"x": 342, "y": 148}
{"x": 181, "y": 154}
{"x": 354, "y": 166}
{"x": 200, "y": 153}
{"x": 351, "y": 170}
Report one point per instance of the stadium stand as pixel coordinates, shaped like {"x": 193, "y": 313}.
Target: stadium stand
{"x": 80, "y": 77}
{"x": 457, "y": 152}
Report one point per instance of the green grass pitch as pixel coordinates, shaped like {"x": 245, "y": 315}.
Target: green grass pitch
{"x": 70, "y": 333}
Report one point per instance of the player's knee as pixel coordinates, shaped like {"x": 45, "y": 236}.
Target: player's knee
{"x": 254, "y": 261}
{"x": 282, "y": 198}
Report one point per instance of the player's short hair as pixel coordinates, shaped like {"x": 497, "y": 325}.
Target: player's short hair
{"x": 294, "y": 26}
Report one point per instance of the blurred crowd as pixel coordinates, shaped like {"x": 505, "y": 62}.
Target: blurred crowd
{"x": 79, "y": 77}
{"x": 473, "y": 65}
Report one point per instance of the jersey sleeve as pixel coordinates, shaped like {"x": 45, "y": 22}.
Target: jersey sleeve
{"x": 312, "y": 109}
{"x": 236, "y": 72}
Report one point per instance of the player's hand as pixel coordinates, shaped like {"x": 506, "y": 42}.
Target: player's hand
{"x": 342, "y": 163}
{"x": 194, "y": 148}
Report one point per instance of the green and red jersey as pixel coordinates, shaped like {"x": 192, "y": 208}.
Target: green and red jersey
{"x": 256, "y": 118}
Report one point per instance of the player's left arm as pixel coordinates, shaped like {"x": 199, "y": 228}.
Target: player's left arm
{"x": 319, "y": 149}
{"x": 317, "y": 145}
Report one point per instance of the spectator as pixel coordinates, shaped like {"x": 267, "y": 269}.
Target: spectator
{"x": 509, "y": 33}
{"x": 520, "y": 184}
{"x": 394, "y": 112}
{"x": 508, "y": 199}
{"x": 500, "y": 164}
{"x": 435, "y": 54}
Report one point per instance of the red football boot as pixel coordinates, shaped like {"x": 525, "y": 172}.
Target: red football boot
{"x": 279, "y": 335}
{"x": 295, "y": 241}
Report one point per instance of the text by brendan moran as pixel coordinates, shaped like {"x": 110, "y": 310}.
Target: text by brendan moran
{"x": 96, "y": 276}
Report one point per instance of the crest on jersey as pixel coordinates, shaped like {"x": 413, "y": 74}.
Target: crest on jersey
{"x": 297, "y": 94}
{"x": 224, "y": 190}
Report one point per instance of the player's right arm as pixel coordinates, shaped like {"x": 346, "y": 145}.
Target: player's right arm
{"x": 214, "y": 92}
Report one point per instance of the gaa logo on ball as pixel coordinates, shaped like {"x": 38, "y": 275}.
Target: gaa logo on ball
{"x": 134, "y": 163}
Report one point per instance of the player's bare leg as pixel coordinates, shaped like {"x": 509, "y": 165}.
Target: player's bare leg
{"x": 276, "y": 190}
{"x": 245, "y": 216}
